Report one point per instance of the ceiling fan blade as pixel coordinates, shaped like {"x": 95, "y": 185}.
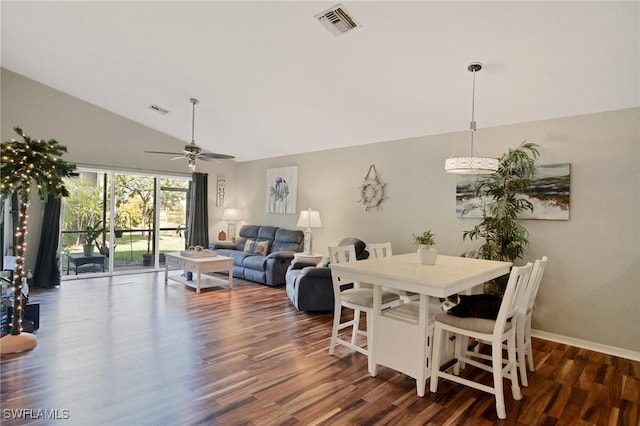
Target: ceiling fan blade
{"x": 215, "y": 156}
{"x": 163, "y": 152}
{"x": 191, "y": 151}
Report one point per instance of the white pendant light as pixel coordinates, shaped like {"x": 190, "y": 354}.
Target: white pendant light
{"x": 472, "y": 165}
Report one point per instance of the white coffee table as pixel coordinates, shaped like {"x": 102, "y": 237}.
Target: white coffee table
{"x": 199, "y": 266}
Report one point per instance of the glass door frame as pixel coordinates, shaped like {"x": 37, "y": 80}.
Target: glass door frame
{"x": 109, "y": 175}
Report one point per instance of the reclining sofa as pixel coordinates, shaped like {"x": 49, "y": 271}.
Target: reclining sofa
{"x": 262, "y": 253}
{"x": 310, "y": 287}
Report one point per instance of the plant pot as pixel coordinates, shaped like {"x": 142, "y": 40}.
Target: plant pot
{"x": 146, "y": 259}
{"x": 427, "y": 255}
{"x": 118, "y": 233}
{"x": 88, "y": 249}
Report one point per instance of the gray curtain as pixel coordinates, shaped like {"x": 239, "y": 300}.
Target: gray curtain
{"x": 47, "y": 272}
{"x": 198, "y": 234}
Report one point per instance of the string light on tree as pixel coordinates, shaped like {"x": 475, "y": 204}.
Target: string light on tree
{"x": 25, "y": 162}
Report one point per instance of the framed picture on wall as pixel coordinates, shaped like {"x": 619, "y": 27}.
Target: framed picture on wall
{"x": 220, "y": 191}
{"x": 282, "y": 189}
{"x": 550, "y": 194}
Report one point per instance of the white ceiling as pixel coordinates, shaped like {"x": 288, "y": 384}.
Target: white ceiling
{"x": 272, "y": 81}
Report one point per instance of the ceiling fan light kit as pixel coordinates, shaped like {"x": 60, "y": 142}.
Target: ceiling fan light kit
{"x": 191, "y": 151}
{"x": 472, "y": 165}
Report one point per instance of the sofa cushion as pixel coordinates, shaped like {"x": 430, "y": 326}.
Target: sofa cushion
{"x": 237, "y": 256}
{"x": 255, "y": 262}
{"x": 287, "y": 240}
{"x": 256, "y": 247}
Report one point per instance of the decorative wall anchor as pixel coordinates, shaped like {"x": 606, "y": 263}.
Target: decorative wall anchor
{"x": 371, "y": 190}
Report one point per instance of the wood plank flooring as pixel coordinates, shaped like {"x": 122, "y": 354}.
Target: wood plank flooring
{"x": 129, "y": 350}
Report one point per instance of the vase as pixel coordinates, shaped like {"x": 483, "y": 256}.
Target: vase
{"x": 87, "y": 249}
{"x": 427, "y": 255}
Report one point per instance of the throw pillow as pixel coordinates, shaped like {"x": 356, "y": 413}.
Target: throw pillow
{"x": 257, "y": 247}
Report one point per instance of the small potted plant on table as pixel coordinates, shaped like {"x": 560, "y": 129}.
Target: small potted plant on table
{"x": 427, "y": 254}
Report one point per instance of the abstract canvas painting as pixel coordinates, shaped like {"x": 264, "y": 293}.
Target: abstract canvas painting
{"x": 282, "y": 189}
{"x": 549, "y": 193}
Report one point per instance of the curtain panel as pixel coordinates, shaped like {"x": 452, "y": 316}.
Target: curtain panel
{"x": 47, "y": 270}
{"x": 198, "y": 234}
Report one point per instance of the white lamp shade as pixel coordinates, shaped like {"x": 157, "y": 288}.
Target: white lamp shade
{"x": 309, "y": 219}
{"x": 231, "y": 215}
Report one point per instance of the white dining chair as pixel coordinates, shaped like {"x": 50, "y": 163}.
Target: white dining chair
{"x": 358, "y": 299}
{"x": 378, "y": 250}
{"x": 496, "y": 332}
{"x": 523, "y": 322}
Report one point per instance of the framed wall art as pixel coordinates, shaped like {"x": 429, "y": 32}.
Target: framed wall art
{"x": 549, "y": 193}
{"x": 220, "y": 191}
{"x": 282, "y": 189}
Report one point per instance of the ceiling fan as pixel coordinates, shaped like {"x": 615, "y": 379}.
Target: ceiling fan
{"x": 191, "y": 151}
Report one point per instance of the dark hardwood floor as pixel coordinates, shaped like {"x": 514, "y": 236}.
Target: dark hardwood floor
{"x": 129, "y": 351}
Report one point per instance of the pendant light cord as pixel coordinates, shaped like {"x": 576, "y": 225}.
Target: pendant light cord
{"x": 194, "y": 102}
{"x": 472, "y": 124}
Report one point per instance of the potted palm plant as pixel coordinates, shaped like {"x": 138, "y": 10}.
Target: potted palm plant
{"x": 90, "y": 235}
{"x": 25, "y": 162}
{"x": 427, "y": 254}
{"x": 502, "y": 200}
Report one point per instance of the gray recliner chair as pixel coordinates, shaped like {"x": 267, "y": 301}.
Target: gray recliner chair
{"x": 309, "y": 287}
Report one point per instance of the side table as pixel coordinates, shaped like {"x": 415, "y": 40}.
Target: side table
{"x": 308, "y": 258}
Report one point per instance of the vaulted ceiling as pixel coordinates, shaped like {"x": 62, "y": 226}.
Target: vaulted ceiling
{"x": 273, "y": 81}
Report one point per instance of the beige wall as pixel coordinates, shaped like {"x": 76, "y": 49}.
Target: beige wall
{"x": 591, "y": 290}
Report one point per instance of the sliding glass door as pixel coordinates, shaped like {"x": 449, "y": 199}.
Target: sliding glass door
{"x": 137, "y": 218}
{"x": 173, "y": 216}
{"x": 84, "y": 240}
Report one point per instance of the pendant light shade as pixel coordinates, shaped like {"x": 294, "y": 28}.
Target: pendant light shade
{"x": 472, "y": 165}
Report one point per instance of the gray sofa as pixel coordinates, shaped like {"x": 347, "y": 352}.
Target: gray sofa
{"x": 310, "y": 288}
{"x": 269, "y": 268}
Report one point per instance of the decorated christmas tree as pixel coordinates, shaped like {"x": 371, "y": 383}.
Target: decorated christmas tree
{"x": 28, "y": 163}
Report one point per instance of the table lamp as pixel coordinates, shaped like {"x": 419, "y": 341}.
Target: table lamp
{"x": 232, "y": 216}
{"x": 309, "y": 219}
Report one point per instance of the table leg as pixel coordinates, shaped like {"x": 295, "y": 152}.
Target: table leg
{"x": 67, "y": 265}
{"x": 166, "y": 272}
{"x": 231, "y": 276}
{"x": 198, "y": 281}
{"x": 423, "y": 354}
{"x": 377, "y": 296}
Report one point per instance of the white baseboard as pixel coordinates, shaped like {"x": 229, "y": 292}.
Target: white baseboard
{"x": 609, "y": 350}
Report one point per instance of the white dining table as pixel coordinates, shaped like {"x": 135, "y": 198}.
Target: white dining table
{"x": 400, "y": 336}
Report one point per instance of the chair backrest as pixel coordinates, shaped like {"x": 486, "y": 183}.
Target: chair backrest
{"x": 512, "y": 295}
{"x": 380, "y": 249}
{"x": 341, "y": 254}
{"x": 531, "y": 290}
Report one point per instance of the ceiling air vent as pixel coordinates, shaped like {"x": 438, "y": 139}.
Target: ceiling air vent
{"x": 159, "y": 109}
{"x": 337, "y": 20}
